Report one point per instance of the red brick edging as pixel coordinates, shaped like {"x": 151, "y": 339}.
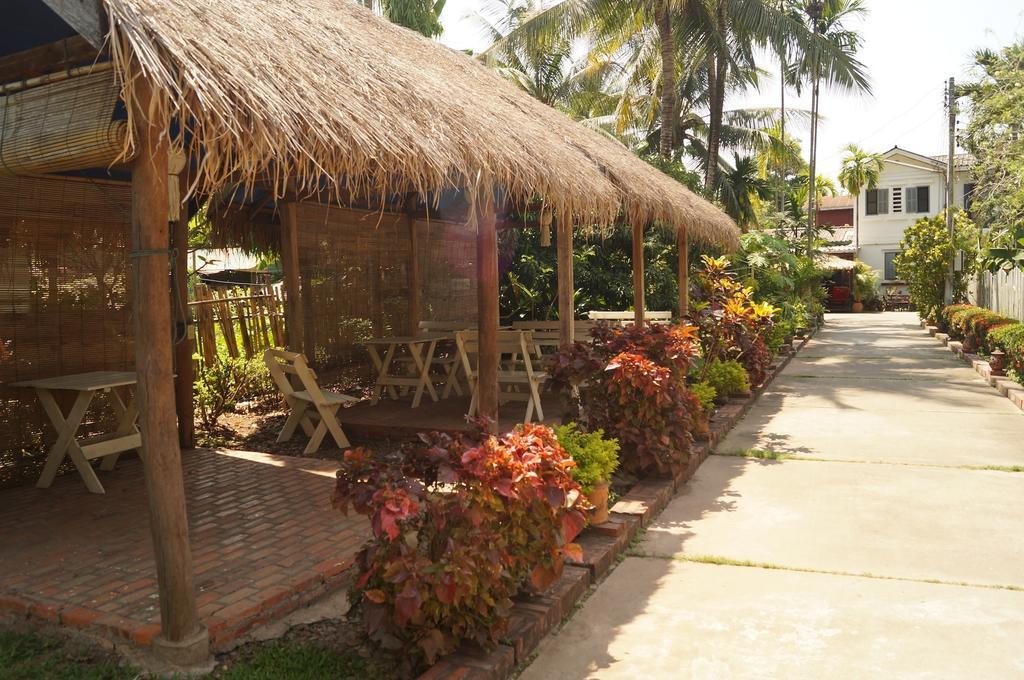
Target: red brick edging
{"x": 1006, "y": 387}
{"x": 533, "y": 617}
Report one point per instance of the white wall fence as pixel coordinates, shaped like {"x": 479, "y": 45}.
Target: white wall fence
{"x": 1002, "y": 292}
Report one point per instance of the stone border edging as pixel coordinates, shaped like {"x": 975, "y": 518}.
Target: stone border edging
{"x": 534, "y": 616}
{"x": 1005, "y": 386}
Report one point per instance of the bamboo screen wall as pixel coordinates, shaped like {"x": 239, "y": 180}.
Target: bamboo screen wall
{"x": 64, "y": 298}
{"x": 355, "y": 273}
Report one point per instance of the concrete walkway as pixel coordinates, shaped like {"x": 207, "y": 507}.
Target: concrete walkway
{"x": 866, "y": 519}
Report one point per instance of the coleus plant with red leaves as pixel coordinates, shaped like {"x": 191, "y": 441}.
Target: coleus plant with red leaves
{"x": 459, "y": 526}
{"x": 631, "y": 383}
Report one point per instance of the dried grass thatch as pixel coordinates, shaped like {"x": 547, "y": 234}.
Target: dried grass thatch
{"x": 304, "y": 89}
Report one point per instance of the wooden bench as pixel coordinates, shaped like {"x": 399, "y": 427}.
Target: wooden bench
{"x": 517, "y": 351}
{"x": 547, "y": 334}
{"x": 619, "y": 318}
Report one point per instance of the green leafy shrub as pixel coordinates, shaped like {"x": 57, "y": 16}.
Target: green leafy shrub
{"x": 728, "y": 378}
{"x": 926, "y": 253}
{"x": 220, "y": 386}
{"x": 973, "y": 325}
{"x": 705, "y": 394}
{"x": 1010, "y": 338}
{"x": 596, "y": 458}
{"x": 865, "y": 282}
{"x": 732, "y": 325}
{"x": 459, "y": 527}
{"x": 631, "y": 383}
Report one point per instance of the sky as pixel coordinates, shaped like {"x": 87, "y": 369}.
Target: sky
{"x": 911, "y": 47}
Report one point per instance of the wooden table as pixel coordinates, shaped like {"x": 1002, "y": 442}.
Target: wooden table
{"x": 421, "y": 349}
{"x": 106, "y": 446}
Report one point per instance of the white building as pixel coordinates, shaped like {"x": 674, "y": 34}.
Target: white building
{"x": 911, "y": 186}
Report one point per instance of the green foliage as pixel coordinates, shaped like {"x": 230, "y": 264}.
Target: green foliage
{"x": 728, "y": 378}
{"x": 1010, "y": 338}
{"x": 219, "y": 387}
{"x": 973, "y": 325}
{"x": 631, "y": 383}
{"x": 280, "y": 660}
{"x": 603, "y": 271}
{"x": 25, "y": 656}
{"x": 422, "y": 16}
{"x": 994, "y": 138}
{"x": 865, "y": 282}
{"x": 860, "y": 170}
{"x": 926, "y": 253}
{"x": 1005, "y": 250}
{"x": 596, "y": 458}
{"x": 459, "y": 526}
{"x": 706, "y": 395}
{"x": 732, "y": 324}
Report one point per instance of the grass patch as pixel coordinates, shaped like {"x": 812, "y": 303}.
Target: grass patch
{"x": 763, "y": 454}
{"x": 284, "y": 661}
{"x": 729, "y": 562}
{"x": 24, "y": 656}
{"x": 28, "y": 656}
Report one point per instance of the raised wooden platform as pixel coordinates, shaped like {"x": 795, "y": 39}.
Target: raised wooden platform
{"x": 397, "y": 419}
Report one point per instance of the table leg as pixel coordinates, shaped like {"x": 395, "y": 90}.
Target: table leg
{"x": 378, "y": 386}
{"x": 66, "y": 444}
{"x": 127, "y": 420}
{"x": 423, "y": 371}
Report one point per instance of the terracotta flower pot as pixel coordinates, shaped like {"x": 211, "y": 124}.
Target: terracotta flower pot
{"x": 858, "y": 307}
{"x": 997, "y": 363}
{"x": 598, "y": 497}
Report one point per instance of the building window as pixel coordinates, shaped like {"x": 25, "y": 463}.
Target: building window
{"x": 917, "y": 199}
{"x": 897, "y": 200}
{"x": 969, "y": 196}
{"x": 890, "y": 265}
{"x": 877, "y": 202}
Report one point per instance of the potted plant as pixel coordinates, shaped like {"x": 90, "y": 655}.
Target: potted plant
{"x": 865, "y": 285}
{"x": 596, "y": 460}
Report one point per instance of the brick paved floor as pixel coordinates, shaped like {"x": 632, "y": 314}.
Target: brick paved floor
{"x": 265, "y": 541}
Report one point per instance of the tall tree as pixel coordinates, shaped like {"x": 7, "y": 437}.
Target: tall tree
{"x": 422, "y": 16}
{"x": 860, "y": 171}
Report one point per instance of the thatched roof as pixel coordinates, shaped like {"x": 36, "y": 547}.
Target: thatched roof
{"x": 314, "y": 88}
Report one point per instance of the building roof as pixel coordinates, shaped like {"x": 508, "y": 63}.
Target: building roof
{"x": 835, "y": 203}
{"x": 843, "y": 237}
{"x": 283, "y": 91}
{"x": 963, "y": 161}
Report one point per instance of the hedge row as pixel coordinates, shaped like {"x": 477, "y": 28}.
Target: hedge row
{"x": 982, "y": 329}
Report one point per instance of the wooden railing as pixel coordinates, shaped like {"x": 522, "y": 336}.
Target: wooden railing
{"x": 243, "y": 321}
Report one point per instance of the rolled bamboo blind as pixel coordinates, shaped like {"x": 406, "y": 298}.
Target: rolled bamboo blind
{"x": 61, "y": 126}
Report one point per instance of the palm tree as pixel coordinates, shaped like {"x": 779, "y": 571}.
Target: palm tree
{"x": 860, "y": 171}
{"x": 830, "y": 58}
{"x": 422, "y": 16}
{"x": 648, "y": 22}
{"x": 740, "y": 188}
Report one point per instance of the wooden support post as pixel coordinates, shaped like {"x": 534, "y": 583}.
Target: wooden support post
{"x": 684, "y": 271}
{"x": 566, "y": 284}
{"x": 184, "y": 367}
{"x": 293, "y": 311}
{"x": 182, "y": 639}
{"x": 414, "y": 265}
{"x": 487, "y": 312}
{"x": 638, "y": 274}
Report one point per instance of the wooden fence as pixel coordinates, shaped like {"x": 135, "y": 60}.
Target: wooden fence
{"x": 1002, "y": 292}
{"x": 243, "y": 321}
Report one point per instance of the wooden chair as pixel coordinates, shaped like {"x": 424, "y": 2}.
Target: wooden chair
{"x": 309, "y": 404}
{"x": 516, "y": 350}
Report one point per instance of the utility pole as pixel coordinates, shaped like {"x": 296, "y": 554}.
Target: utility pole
{"x": 951, "y": 184}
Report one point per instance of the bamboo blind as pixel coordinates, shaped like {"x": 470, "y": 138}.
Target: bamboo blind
{"x": 64, "y": 298}
{"x": 354, "y": 267}
{"x": 61, "y": 126}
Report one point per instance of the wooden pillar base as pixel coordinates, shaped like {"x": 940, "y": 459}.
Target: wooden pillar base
{"x": 190, "y": 654}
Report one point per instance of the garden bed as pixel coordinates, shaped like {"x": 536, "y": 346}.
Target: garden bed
{"x": 603, "y": 546}
{"x": 1007, "y": 387}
